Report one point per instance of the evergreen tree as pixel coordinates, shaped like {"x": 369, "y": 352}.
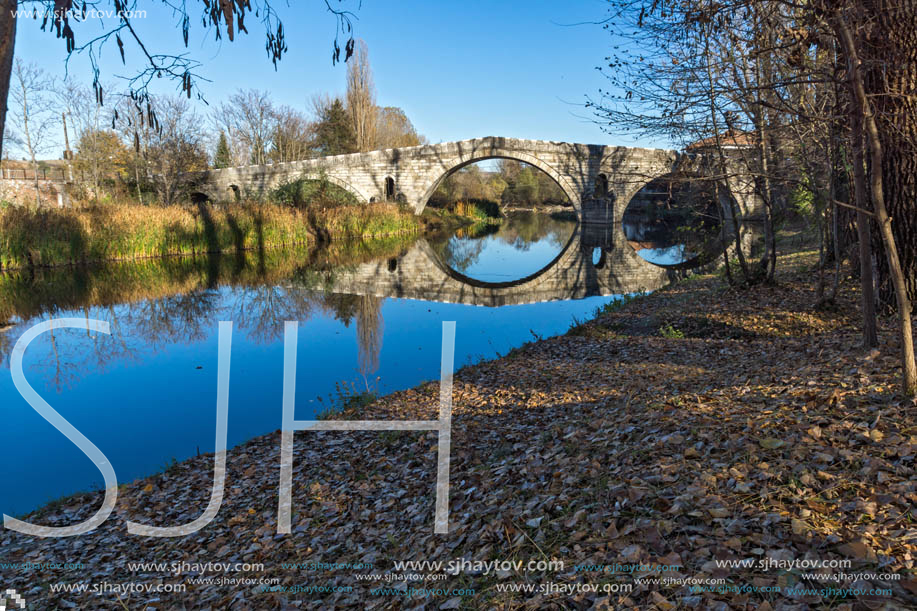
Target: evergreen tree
{"x": 334, "y": 133}
{"x": 222, "y": 158}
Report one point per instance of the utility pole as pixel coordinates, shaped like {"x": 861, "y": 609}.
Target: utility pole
{"x": 68, "y": 154}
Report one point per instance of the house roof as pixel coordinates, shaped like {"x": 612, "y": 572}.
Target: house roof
{"x": 729, "y": 139}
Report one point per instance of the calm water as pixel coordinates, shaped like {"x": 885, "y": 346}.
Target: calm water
{"x": 370, "y": 318}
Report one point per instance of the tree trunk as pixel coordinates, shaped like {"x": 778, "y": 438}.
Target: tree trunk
{"x": 877, "y": 171}
{"x": 832, "y": 197}
{"x": 723, "y": 165}
{"x": 870, "y": 337}
{"x": 7, "y": 41}
{"x": 889, "y": 71}
{"x": 27, "y": 131}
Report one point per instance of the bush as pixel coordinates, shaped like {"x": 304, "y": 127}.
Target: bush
{"x": 54, "y": 236}
{"x": 669, "y": 332}
{"x": 305, "y": 192}
{"x": 478, "y": 209}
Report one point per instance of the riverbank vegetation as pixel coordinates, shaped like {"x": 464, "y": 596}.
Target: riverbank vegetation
{"x": 474, "y": 210}
{"x": 46, "y": 237}
{"x": 505, "y": 182}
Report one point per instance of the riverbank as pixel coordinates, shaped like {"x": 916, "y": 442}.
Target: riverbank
{"x": 50, "y": 237}
{"x": 463, "y": 212}
{"x": 683, "y": 429}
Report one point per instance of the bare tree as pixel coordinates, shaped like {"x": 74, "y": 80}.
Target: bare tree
{"x": 247, "y": 119}
{"x": 65, "y": 17}
{"x": 394, "y": 129}
{"x": 134, "y": 127}
{"x": 291, "y": 135}
{"x": 88, "y": 120}
{"x": 175, "y": 149}
{"x": 757, "y": 68}
{"x": 35, "y": 117}
{"x": 863, "y": 117}
{"x": 361, "y": 98}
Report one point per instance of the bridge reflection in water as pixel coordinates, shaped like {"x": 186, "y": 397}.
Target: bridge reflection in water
{"x": 594, "y": 262}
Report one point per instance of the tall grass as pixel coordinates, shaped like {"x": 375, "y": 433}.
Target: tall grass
{"x": 363, "y": 221}
{"x": 483, "y": 210}
{"x": 46, "y": 237}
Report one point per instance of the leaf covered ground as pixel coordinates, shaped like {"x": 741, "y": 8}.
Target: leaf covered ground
{"x": 690, "y": 427}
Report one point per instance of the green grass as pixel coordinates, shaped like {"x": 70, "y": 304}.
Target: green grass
{"x": 669, "y": 332}
{"x": 618, "y": 304}
{"x": 348, "y": 399}
{"x": 476, "y": 210}
{"x": 363, "y": 221}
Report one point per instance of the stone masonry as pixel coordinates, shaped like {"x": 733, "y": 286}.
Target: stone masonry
{"x": 22, "y": 192}
{"x": 412, "y": 174}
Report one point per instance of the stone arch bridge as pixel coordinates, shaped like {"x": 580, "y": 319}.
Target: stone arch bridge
{"x": 599, "y": 180}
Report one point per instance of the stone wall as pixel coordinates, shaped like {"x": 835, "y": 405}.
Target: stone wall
{"x": 22, "y": 192}
{"x": 417, "y": 171}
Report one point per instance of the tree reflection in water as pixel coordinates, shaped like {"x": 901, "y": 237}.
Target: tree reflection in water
{"x": 154, "y": 304}
{"x": 369, "y": 333}
{"x": 519, "y": 230}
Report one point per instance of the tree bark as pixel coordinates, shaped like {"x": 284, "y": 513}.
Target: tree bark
{"x": 889, "y": 72}
{"x": 877, "y": 171}
{"x": 867, "y": 283}
{"x": 7, "y": 42}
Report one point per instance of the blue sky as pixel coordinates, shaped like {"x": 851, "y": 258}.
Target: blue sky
{"x": 459, "y": 69}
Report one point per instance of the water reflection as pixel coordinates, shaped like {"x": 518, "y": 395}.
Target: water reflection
{"x": 524, "y": 243}
{"x": 369, "y": 315}
{"x": 673, "y": 221}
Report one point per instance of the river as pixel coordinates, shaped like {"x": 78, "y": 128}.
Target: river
{"x": 369, "y": 321}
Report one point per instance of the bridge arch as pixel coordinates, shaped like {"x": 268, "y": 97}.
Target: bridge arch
{"x": 495, "y": 153}
{"x": 340, "y": 183}
{"x": 685, "y": 187}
